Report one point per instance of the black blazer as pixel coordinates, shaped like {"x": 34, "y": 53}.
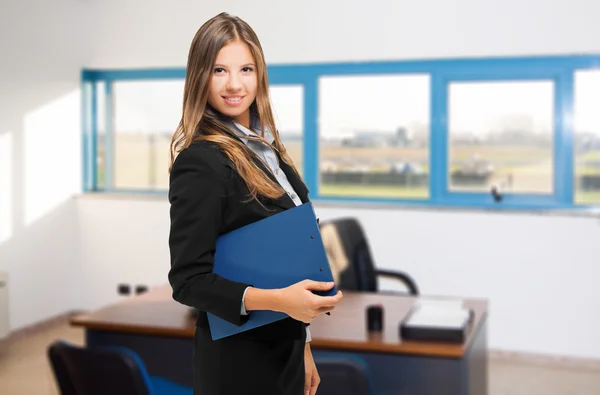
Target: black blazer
{"x": 209, "y": 198}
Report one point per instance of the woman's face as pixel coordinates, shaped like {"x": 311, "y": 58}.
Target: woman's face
{"x": 234, "y": 82}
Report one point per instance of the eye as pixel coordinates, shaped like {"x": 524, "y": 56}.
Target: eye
{"x": 219, "y": 70}
{"x": 247, "y": 69}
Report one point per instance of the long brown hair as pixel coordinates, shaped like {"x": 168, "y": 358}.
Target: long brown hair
{"x": 200, "y": 121}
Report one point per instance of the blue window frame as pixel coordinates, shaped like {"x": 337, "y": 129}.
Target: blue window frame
{"x": 557, "y": 70}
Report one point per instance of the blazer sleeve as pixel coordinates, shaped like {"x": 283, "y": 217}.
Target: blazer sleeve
{"x": 197, "y": 194}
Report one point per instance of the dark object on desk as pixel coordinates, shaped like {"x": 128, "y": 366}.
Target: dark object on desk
{"x": 436, "y": 329}
{"x": 101, "y": 371}
{"x": 375, "y": 318}
{"x": 140, "y": 289}
{"x": 343, "y": 374}
{"x": 124, "y": 289}
{"x": 361, "y": 273}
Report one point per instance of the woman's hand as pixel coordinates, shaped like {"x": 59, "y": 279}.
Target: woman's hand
{"x": 299, "y": 302}
{"x": 312, "y": 379}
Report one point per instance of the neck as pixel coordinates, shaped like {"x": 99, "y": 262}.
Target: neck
{"x": 244, "y": 119}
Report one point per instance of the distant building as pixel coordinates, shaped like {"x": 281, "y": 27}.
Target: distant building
{"x": 373, "y": 139}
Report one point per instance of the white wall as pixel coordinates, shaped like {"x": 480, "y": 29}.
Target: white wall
{"x": 537, "y": 271}
{"x": 159, "y": 34}
{"x": 42, "y": 51}
{"x": 122, "y": 241}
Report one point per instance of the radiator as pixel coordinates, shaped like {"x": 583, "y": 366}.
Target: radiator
{"x": 4, "y": 327}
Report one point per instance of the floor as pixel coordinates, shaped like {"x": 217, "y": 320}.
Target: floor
{"x": 24, "y": 369}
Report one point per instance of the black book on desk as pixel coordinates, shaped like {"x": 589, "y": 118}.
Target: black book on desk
{"x": 437, "y": 322}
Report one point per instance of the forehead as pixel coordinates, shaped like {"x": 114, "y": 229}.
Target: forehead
{"x": 235, "y": 53}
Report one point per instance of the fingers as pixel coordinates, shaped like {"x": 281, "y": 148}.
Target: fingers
{"x": 315, "y": 384}
{"x": 313, "y": 389}
{"x": 329, "y": 300}
{"x": 317, "y": 285}
{"x": 307, "y": 383}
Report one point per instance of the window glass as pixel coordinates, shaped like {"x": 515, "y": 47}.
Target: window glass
{"x": 501, "y": 134}
{"x": 146, "y": 114}
{"x": 288, "y": 107}
{"x": 374, "y": 136}
{"x": 587, "y": 137}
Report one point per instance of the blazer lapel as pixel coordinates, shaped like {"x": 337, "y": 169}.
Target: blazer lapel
{"x": 294, "y": 180}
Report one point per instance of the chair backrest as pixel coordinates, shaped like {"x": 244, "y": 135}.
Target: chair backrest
{"x": 343, "y": 375}
{"x": 59, "y": 368}
{"x": 88, "y": 371}
{"x": 360, "y": 275}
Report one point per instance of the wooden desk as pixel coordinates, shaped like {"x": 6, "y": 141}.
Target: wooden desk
{"x": 161, "y": 330}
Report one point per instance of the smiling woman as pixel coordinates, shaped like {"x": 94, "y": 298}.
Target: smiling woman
{"x": 229, "y": 169}
{"x": 227, "y": 80}
{"x": 234, "y": 83}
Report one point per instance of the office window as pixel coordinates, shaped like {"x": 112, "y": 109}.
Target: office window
{"x": 288, "y": 109}
{"x": 146, "y": 114}
{"x": 586, "y": 140}
{"x": 101, "y": 137}
{"x": 374, "y": 136}
{"x": 501, "y": 134}
{"x": 431, "y": 132}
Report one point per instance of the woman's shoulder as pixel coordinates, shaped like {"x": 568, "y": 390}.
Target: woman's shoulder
{"x": 202, "y": 154}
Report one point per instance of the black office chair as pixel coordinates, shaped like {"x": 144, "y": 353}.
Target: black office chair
{"x": 343, "y": 375}
{"x": 59, "y": 368}
{"x": 361, "y": 274}
{"x": 101, "y": 371}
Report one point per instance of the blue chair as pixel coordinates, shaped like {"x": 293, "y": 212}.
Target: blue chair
{"x": 107, "y": 370}
{"x": 343, "y": 374}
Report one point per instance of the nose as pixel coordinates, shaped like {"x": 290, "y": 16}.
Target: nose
{"x": 234, "y": 83}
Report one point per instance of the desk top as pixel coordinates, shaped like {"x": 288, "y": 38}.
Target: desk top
{"x": 156, "y": 313}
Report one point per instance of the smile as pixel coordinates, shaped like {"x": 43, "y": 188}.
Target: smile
{"x": 233, "y": 100}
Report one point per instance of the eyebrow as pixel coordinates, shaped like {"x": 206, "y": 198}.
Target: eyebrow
{"x": 244, "y": 65}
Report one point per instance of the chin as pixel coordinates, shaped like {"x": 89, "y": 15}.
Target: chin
{"x": 233, "y": 114}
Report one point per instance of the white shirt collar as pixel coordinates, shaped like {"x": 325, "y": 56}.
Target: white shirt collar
{"x": 241, "y": 130}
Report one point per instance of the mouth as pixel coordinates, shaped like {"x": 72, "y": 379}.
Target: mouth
{"x": 233, "y": 100}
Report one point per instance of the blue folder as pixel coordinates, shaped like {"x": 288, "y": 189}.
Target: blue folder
{"x": 274, "y": 252}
